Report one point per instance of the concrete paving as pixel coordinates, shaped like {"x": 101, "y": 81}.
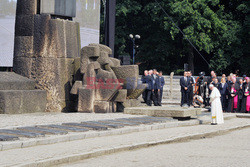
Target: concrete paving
{"x": 71, "y": 151}
{"x": 229, "y": 150}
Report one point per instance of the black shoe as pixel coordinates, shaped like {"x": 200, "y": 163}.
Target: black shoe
{"x": 213, "y": 123}
{"x": 149, "y": 105}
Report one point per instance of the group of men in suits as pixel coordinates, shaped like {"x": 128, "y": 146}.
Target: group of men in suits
{"x": 187, "y": 82}
{"x": 155, "y": 83}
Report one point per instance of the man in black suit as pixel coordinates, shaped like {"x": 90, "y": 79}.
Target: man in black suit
{"x": 185, "y": 89}
{"x": 162, "y": 83}
{"x": 149, "y": 81}
{"x": 156, "y": 88}
{"x": 143, "y": 80}
{"x": 192, "y": 82}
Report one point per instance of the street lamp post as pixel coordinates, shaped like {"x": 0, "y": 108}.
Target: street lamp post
{"x": 131, "y": 36}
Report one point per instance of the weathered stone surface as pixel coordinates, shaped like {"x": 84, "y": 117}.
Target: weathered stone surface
{"x": 104, "y": 75}
{"x": 67, "y": 128}
{"x": 22, "y": 66}
{"x": 90, "y": 75}
{"x": 43, "y": 130}
{"x": 129, "y": 74}
{"x": 41, "y": 35}
{"x": 26, "y": 7}
{"x": 22, "y": 101}
{"x": 20, "y": 133}
{"x": 23, "y": 46}
{"x": 12, "y": 81}
{"x": 166, "y": 111}
{"x": 101, "y": 107}
{"x": 106, "y": 93}
{"x": 86, "y": 100}
{"x": 116, "y": 62}
{"x": 138, "y": 91}
{"x": 103, "y": 48}
{"x": 24, "y": 25}
{"x": 92, "y": 127}
{"x": 132, "y": 103}
{"x": 90, "y": 51}
{"x": 84, "y": 63}
{"x": 8, "y": 138}
{"x": 108, "y": 125}
{"x": 105, "y": 59}
{"x": 76, "y": 86}
{"x": 120, "y": 96}
{"x": 72, "y": 39}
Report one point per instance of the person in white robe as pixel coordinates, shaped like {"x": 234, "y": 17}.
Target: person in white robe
{"x": 216, "y": 107}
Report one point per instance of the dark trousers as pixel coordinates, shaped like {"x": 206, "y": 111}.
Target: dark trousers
{"x": 160, "y": 98}
{"x": 191, "y": 95}
{"x": 239, "y": 105}
{"x": 149, "y": 94}
{"x": 185, "y": 97}
{"x": 156, "y": 96}
{"x": 223, "y": 101}
{"x": 144, "y": 95}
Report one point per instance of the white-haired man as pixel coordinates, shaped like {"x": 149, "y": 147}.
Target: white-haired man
{"x": 216, "y": 108}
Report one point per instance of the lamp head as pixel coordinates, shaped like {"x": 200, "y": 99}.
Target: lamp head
{"x": 137, "y": 36}
{"x": 131, "y": 36}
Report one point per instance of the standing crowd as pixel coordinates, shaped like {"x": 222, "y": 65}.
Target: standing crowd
{"x": 155, "y": 82}
{"x": 234, "y": 94}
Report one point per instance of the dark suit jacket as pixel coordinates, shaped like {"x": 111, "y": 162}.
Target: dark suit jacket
{"x": 162, "y": 82}
{"x": 223, "y": 90}
{"x": 156, "y": 82}
{"x": 185, "y": 84}
{"x": 149, "y": 81}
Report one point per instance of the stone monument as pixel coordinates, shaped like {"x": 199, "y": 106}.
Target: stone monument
{"x": 47, "y": 49}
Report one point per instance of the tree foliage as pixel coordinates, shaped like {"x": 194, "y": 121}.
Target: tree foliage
{"x": 219, "y": 29}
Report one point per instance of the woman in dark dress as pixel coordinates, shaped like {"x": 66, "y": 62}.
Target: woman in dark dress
{"x": 223, "y": 91}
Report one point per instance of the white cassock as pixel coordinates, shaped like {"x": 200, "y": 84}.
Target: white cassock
{"x": 216, "y": 108}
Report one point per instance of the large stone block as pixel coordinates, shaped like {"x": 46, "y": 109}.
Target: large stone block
{"x": 24, "y": 25}
{"x": 105, "y": 75}
{"x": 12, "y": 81}
{"x": 105, "y": 59}
{"x": 86, "y": 100}
{"x": 76, "y": 86}
{"x": 91, "y": 51}
{"x": 116, "y": 62}
{"x": 102, "y": 107}
{"x": 129, "y": 75}
{"x": 138, "y": 91}
{"x": 23, "y": 46}
{"x": 22, "y": 66}
{"x": 120, "y": 96}
{"x": 72, "y": 39}
{"x": 26, "y": 7}
{"x": 103, "y": 48}
{"x": 107, "y": 92}
{"x": 84, "y": 63}
{"x": 41, "y": 35}
{"x": 22, "y": 101}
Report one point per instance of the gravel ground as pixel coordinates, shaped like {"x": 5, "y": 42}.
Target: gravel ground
{"x": 12, "y": 121}
{"x": 230, "y": 150}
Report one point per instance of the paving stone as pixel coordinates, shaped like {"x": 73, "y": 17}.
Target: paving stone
{"x": 21, "y": 133}
{"x": 43, "y": 130}
{"x": 138, "y": 121}
{"x": 130, "y": 120}
{"x": 108, "y": 125}
{"x": 8, "y": 138}
{"x": 67, "y": 128}
{"x": 93, "y": 127}
{"x": 119, "y": 123}
{"x": 126, "y": 121}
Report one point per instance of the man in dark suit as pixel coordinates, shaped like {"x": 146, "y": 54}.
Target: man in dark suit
{"x": 162, "y": 83}
{"x": 156, "y": 88}
{"x": 192, "y": 83}
{"x": 149, "y": 81}
{"x": 143, "y": 80}
{"x": 185, "y": 89}
{"x": 240, "y": 96}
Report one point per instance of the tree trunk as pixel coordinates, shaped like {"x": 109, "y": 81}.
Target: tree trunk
{"x": 191, "y": 58}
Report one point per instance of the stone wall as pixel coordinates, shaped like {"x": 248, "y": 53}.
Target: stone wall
{"x": 47, "y": 50}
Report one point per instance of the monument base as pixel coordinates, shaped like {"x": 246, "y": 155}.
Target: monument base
{"x": 164, "y": 111}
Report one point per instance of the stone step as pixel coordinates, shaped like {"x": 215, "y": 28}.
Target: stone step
{"x": 22, "y": 101}
{"x": 170, "y": 102}
{"x": 12, "y": 81}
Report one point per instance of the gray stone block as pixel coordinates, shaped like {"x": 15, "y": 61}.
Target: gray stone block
{"x": 86, "y": 100}
{"x": 23, "y": 46}
{"x": 105, "y": 59}
{"x": 120, "y": 96}
{"x": 92, "y": 127}
{"x": 24, "y": 25}
{"x": 43, "y": 130}
{"x": 102, "y": 107}
{"x": 109, "y": 125}
{"x": 76, "y": 86}
{"x": 90, "y": 51}
{"x": 22, "y": 101}
{"x": 26, "y": 7}
{"x": 12, "y": 81}
{"x": 72, "y": 39}
{"x": 103, "y": 48}
{"x": 21, "y": 133}
{"x": 8, "y": 138}
{"x": 67, "y": 128}
{"x": 23, "y": 66}
{"x": 116, "y": 62}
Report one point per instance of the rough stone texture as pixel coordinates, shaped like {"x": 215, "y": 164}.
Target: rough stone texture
{"x": 23, "y": 46}
{"x": 138, "y": 91}
{"x": 129, "y": 74}
{"x": 91, "y": 51}
{"x": 26, "y": 7}
{"x": 132, "y": 103}
{"x": 72, "y": 39}
{"x": 22, "y": 101}
{"x": 105, "y": 59}
{"x": 120, "y": 96}
{"x": 12, "y": 81}
{"x": 86, "y": 100}
{"x": 166, "y": 111}
{"x": 76, "y": 86}
{"x": 116, "y": 62}
{"x": 106, "y": 94}
{"x": 103, "y": 48}
{"x": 24, "y": 25}
{"x": 101, "y": 107}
